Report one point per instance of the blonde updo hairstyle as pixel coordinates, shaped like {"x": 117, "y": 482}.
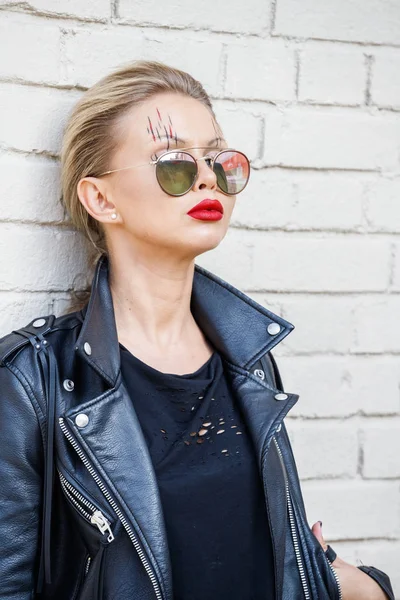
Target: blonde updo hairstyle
{"x": 90, "y": 136}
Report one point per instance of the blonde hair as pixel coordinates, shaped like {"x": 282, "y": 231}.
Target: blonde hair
{"x": 90, "y": 135}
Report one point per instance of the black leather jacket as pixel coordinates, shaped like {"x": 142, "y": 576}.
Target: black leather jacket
{"x": 79, "y": 498}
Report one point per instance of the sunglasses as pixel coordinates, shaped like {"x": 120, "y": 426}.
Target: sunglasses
{"x": 177, "y": 171}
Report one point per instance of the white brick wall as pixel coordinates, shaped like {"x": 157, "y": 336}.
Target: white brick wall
{"x": 311, "y": 91}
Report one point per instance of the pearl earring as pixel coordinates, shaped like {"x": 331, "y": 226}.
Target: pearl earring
{"x": 114, "y": 215}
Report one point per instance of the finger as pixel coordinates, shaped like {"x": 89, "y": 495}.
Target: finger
{"x": 317, "y": 531}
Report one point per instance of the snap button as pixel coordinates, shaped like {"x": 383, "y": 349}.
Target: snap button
{"x": 81, "y": 420}
{"x": 39, "y": 323}
{"x": 259, "y": 373}
{"x": 87, "y": 348}
{"x": 281, "y": 396}
{"x": 273, "y": 328}
{"x": 68, "y": 385}
{"x": 278, "y": 428}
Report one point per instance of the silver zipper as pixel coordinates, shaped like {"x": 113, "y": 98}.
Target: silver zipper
{"x": 95, "y": 517}
{"x": 295, "y": 539}
{"x": 115, "y": 508}
{"x": 336, "y": 579}
{"x": 87, "y": 565}
{"x": 296, "y": 542}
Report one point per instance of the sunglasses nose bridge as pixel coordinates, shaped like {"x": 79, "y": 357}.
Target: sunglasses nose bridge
{"x": 209, "y": 172}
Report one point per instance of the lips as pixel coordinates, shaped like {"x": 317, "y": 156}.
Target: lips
{"x": 207, "y": 210}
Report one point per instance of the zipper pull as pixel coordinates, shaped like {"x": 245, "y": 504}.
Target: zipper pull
{"x": 102, "y": 523}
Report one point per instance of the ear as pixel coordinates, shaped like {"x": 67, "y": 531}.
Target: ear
{"x": 92, "y": 193}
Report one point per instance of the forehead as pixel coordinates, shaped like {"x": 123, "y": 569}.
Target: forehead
{"x": 169, "y": 113}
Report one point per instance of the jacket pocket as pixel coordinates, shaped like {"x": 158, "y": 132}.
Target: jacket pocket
{"x": 87, "y": 509}
{"x": 99, "y": 534}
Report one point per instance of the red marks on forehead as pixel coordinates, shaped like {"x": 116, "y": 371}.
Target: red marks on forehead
{"x": 168, "y": 128}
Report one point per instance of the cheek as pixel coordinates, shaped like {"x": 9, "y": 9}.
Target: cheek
{"x": 144, "y": 207}
{"x": 231, "y": 205}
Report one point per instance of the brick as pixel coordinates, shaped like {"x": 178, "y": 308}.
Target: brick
{"x": 383, "y": 205}
{"x": 332, "y": 74}
{"x": 273, "y": 78}
{"x": 30, "y": 189}
{"x": 385, "y": 84}
{"x": 332, "y": 386}
{"x": 322, "y": 323}
{"x": 66, "y": 303}
{"x": 250, "y": 17}
{"x": 354, "y": 20}
{"x": 312, "y": 445}
{"x": 95, "y": 10}
{"x": 63, "y": 253}
{"x": 353, "y": 509}
{"x": 16, "y": 310}
{"x": 381, "y": 554}
{"x": 381, "y": 448}
{"x": 331, "y": 138}
{"x": 33, "y": 118}
{"x": 242, "y": 130}
{"x": 269, "y": 301}
{"x": 199, "y": 57}
{"x": 92, "y": 54}
{"x": 396, "y": 271}
{"x": 285, "y": 263}
{"x": 34, "y": 49}
{"x": 300, "y": 200}
{"x": 377, "y": 324}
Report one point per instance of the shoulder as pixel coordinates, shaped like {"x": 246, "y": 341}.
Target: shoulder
{"x": 49, "y": 326}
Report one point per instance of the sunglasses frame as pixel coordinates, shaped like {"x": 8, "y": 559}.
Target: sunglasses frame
{"x": 212, "y": 160}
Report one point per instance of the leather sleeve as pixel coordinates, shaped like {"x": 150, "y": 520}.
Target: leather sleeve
{"x": 21, "y": 472}
{"x": 381, "y": 579}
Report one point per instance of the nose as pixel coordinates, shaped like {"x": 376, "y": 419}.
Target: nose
{"x": 206, "y": 177}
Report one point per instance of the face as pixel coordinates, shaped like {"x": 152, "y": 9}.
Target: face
{"x": 148, "y": 217}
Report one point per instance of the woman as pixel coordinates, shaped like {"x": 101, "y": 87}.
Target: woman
{"x": 144, "y": 453}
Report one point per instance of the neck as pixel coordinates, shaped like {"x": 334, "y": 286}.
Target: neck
{"x": 151, "y": 300}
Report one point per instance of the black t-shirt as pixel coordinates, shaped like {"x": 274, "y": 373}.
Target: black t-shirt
{"x": 210, "y": 487}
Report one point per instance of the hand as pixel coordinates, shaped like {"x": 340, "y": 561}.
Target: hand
{"x": 355, "y": 584}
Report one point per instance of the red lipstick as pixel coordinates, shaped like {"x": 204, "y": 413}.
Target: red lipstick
{"x": 207, "y": 210}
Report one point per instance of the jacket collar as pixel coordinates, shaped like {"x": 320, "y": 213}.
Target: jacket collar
{"x": 239, "y": 328}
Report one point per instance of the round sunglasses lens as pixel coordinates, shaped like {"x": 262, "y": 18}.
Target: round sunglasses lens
{"x": 176, "y": 172}
{"x": 232, "y": 170}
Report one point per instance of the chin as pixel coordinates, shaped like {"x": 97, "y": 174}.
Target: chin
{"x": 203, "y": 243}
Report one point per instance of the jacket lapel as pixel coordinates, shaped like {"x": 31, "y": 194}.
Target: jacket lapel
{"x": 264, "y": 414}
